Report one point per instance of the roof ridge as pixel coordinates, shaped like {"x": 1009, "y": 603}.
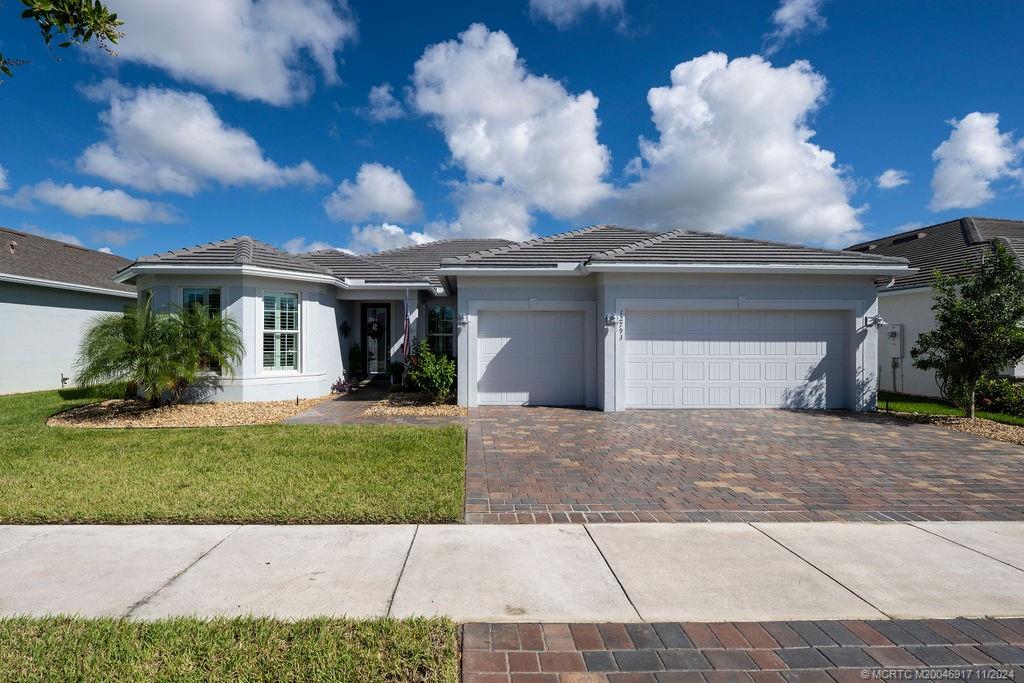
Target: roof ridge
{"x": 244, "y": 249}
{"x": 446, "y": 240}
{"x": 633, "y": 246}
{"x": 773, "y": 243}
{"x": 517, "y": 246}
{"x": 382, "y": 267}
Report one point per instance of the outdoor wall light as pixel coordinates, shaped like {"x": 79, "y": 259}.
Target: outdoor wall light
{"x": 874, "y": 321}
{"x": 463, "y": 320}
{"x": 611, "y": 319}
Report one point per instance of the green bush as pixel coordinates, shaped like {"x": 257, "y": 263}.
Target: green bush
{"x": 1001, "y": 395}
{"x": 432, "y": 373}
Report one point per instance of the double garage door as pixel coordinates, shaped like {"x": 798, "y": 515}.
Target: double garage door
{"x": 672, "y": 359}
{"x": 734, "y": 359}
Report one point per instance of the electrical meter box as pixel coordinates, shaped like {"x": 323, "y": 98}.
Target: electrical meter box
{"x": 894, "y": 340}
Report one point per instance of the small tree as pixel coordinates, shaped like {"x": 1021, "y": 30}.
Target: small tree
{"x": 978, "y": 327}
{"x": 159, "y": 354}
{"x": 432, "y": 372}
{"x": 79, "y": 21}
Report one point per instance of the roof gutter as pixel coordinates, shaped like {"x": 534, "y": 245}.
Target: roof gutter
{"x": 56, "y": 284}
{"x": 137, "y": 269}
{"x": 751, "y": 268}
{"x": 570, "y": 268}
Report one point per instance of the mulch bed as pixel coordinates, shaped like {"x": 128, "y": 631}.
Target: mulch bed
{"x": 121, "y": 414}
{"x": 979, "y": 426}
{"x": 409, "y": 403}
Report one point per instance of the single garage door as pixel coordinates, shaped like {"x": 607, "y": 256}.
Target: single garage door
{"x": 733, "y": 359}
{"x": 530, "y": 358}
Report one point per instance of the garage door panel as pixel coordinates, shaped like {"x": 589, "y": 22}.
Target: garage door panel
{"x": 791, "y": 359}
{"x": 530, "y": 357}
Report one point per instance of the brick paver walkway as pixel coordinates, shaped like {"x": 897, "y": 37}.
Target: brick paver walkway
{"x": 774, "y": 652}
{"x": 526, "y": 465}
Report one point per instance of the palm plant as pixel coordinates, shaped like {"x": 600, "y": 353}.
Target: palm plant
{"x": 158, "y": 354}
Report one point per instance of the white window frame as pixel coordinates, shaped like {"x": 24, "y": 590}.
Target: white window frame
{"x": 297, "y": 332}
{"x": 453, "y": 334}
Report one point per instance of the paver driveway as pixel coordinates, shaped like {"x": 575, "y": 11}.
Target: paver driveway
{"x": 528, "y": 465}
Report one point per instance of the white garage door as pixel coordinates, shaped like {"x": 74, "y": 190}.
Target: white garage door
{"x": 733, "y": 359}
{"x": 531, "y": 358}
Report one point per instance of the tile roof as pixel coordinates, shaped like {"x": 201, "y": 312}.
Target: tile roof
{"x": 236, "y": 251}
{"x": 565, "y": 247}
{"x": 692, "y": 246}
{"x": 952, "y": 247}
{"x": 343, "y": 265}
{"x": 423, "y": 260}
{"x": 26, "y": 255}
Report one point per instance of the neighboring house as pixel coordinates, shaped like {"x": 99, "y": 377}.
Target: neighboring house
{"x": 607, "y": 317}
{"x": 905, "y": 303}
{"x": 49, "y": 292}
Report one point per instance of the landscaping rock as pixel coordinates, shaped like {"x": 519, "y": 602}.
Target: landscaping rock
{"x": 402, "y": 403}
{"x": 120, "y": 414}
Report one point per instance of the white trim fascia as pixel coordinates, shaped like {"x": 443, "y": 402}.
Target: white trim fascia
{"x": 259, "y": 271}
{"x": 566, "y": 268}
{"x": 753, "y": 268}
{"x": 56, "y": 284}
{"x": 905, "y": 290}
{"x": 353, "y": 283}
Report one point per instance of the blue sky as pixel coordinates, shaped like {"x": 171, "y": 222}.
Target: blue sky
{"x": 256, "y": 118}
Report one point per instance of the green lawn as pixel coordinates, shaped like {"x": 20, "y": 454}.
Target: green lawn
{"x": 933, "y": 406}
{"x": 264, "y": 474}
{"x": 247, "y": 649}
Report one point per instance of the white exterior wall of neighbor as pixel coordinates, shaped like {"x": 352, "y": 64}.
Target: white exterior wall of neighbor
{"x": 41, "y": 331}
{"x": 609, "y": 294}
{"x": 911, "y": 308}
{"x": 320, "y": 348}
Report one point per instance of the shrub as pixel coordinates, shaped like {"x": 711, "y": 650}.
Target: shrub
{"x": 157, "y": 354}
{"x": 432, "y": 373}
{"x": 1001, "y": 395}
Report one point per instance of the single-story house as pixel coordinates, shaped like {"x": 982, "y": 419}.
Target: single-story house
{"x": 605, "y": 316}
{"x": 49, "y": 292}
{"x": 905, "y": 303}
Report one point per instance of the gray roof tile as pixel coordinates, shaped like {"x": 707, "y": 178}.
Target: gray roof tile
{"x": 344, "y": 265}
{"x": 952, "y": 247}
{"x": 566, "y": 247}
{"x": 423, "y": 260}
{"x": 692, "y": 246}
{"x": 28, "y": 255}
{"x": 236, "y": 251}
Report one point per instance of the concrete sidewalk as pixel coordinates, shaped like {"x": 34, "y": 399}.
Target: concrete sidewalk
{"x": 556, "y": 573}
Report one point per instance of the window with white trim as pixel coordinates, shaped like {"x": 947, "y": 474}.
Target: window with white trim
{"x": 207, "y": 297}
{"x": 441, "y": 329}
{"x": 280, "y": 331}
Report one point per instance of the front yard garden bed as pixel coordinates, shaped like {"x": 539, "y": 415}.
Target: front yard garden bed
{"x": 243, "y": 649}
{"x": 282, "y": 474}
{"x": 999, "y": 426}
{"x": 414, "y": 403}
{"x": 119, "y": 413}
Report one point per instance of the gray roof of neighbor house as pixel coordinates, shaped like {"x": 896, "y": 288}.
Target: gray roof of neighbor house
{"x": 952, "y": 247}
{"x": 602, "y": 244}
{"x": 236, "y": 251}
{"x": 423, "y": 260}
{"x": 24, "y": 255}
{"x": 344, "y": 265}
{"x": 547, "y": 252}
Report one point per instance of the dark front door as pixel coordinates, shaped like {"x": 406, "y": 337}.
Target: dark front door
{"x": 376, "y": 337}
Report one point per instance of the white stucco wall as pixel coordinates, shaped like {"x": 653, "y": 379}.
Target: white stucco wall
{"x": 320, "y": 352}
{"x": 40, "y": 331}
{"x": 609, "y": 292}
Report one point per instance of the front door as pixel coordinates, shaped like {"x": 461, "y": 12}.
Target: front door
{"x": 376, "y": 337}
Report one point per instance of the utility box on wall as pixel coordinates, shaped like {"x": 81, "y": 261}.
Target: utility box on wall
{"x": 894, "y": 340}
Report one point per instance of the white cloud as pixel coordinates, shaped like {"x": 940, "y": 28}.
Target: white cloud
{"x": 974, "y": 156}
{"x": 82, "y": 201}
{"x": 489, "y": 210}
{"x": 384, "y": 236}
{"x": 892, "y": 177}
{"x": 104, "y": 91}
{"x": 106, "y": 250}
{"x": 565, "y": 13}
{"x": 379, "y": 192}
{"x": 4, "y": 184}
{"x": 51, "y": 234}
{"x": 255, "y": 49}
{"x": 299, "y": 245}
{"x": 524, "y": 135}
{"x": 383, "y": 105}
{"x": 163, "y": 140}
{"x": 117, "y": 237}
{"x": 734, "y": 151}
{"x": 791, "y": 19}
